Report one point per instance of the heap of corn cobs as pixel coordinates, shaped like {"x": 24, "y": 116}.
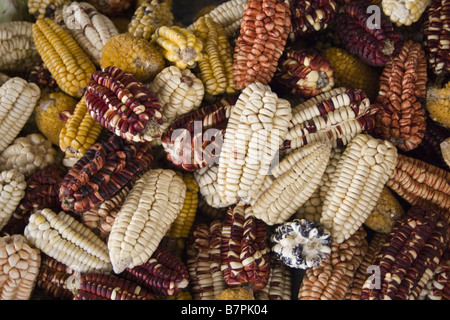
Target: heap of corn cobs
{"x": 267, "y": 150}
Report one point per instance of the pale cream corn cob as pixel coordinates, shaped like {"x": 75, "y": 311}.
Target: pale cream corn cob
{"x": 255, "y": 131}
{"x": 62, "y": 237}
{"x": 19, "y": 267}
{"x": 404, "y": 12}
{"x": 12, "y": 190}
{"x": 65, "y": 59}
{"x": 146, "y": 215}
{"x": 208, "y": 187}
{"x": 445, "y": 149}
{"x": 17, "y": 101}
{"x": 17, "y": 50}
{"x": 295, "y": 179}
{"x": 361, "y": 173}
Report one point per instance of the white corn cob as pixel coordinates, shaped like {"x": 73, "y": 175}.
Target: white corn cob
{"x": 328, "y": 116}
{"x": 19, "y": 267}
{"x": 207, "y": 183}
{"x": 179, "y": 91}
{"x": 145, "y": 217}
{"x": 361, "y": 173}
{"x": 90, "y": 28}
{"x": 12, "y": 190}
{"x": 17, "y": 49}
{"x": 17, "y": 101}
{"x": 28, "y": 154}
{"x": 312, "y": 208}
{"x": 255, "y": 131}
{"x": 296, "y": 177}
{"x": 279, "y": 285}
{"x": 404, "y": 12}
{"x": 228, "y": 14}
{"x": 68, "y": 241}
{"x": 445, "y": 150}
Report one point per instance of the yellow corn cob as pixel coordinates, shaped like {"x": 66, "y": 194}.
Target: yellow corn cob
{"x": 216, "y": 64}
{"x": 80, "y": 132}
{"x": 17, "y": 50}
{"x": 386, "y": 212}
{"x": 361, "y": 173}
{"x": 68, "y": 241}
{"x": 12, "y": 184}
{"x": 349, "y": 71}
{"x": 132, "y": 55}
{"x": 438, "y": 104}
{"x": 145, "y": 217}
{"x": 150, "y": 15}
{"x": 404, "y": 12}
{"x": 47, "y": 114}
{"x": 19, "y": 267}
{"x": 44, "y": 8}
{"x": 17, "y": 101}
{"x": 185, "y": 219}
{"x": 445, "y": 150}
{"x": 66, "y": 61}
{"x": 178, "y": 45}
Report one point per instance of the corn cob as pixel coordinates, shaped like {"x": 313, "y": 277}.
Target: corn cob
{"x": 332, "y": 278}
{"x": 194, "y": 141}
{"x": 280, "y": 283}
{"x": 304, "y": 73}
{"x": 227, "y": 14}
{"x": 133, "y": 55}
{"x": 373, "y": 44}
{"x": 68, "y": 241}
{"x": 185, "y": 219}
{"x": 17, "y": 50}
{"x": 53, "y": 278}
{"x": 311, "y": 16}
{"x": 244, "y": 249}
{"x": 64, "y": 58}
{"x": 365, "y": 268}
{"x": 112, "y": 8}
{"x": 178, "y": 46}
{"x": 44, "y": 8}
{"x": 163, "y": 274}
{"x": 203, "y": 260}
{"x": 28, "y": 154}
{"x": 404, "y": 12}
{"x": 183, "y": 295}
{"x": 445, "y": 150}
{"x": 216, "y": 64}
{"x": 363, "y": 170}
{"x": 436, "y": 33}
{"x": 98, "y": 286}
{"x": 337, "y": 116}
{"x": 3, "y": 78}
{"x": 438, "y": 288}
{"x": 79, "y": 132}
{"x": 47, "y": 113}
{"x": 294, "y": 180}
{"x": 421, "y": 184}
{"x": 41, "y": 76}
{"x": 312, "y": 208}
{"x": 18, "y": 99}
{"x": 265, "y": 27}
{"x": 145, "y": 217}
{"x": 90, "y": 29}
{"x": 150, "y": 15}
{"x": 255, "y": 131}
{"x": 101, "y": 218}
{"x": 236, "y": 293}
{"x": 12, "y": 184}
{"x": 387, "y": 210}
{"x": 301, "y": 244}
{"x": 179, "y": 91}
{"x": 102, "y": 172}
{"x": 124, "y": 105}
{"x": 41, "y": 192}
{"x": 19, "y": 265}
{"x": 409, "y": 256}
{"x": 402, "y": 118}
{"x": 207, "y": 182}
{"x": 349, "y": 71}
{"x": 438, "y": 104}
